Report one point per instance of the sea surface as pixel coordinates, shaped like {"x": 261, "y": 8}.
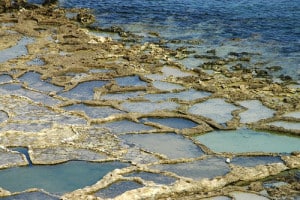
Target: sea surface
{"x": 269, "y": 30}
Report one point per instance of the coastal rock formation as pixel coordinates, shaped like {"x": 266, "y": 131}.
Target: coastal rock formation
{"x": 74, "y": 93}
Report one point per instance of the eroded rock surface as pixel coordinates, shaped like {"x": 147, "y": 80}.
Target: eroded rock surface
{"x": 69, "y": 94}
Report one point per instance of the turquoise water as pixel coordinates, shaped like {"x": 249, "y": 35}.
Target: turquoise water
{"x": 246, "y": 140}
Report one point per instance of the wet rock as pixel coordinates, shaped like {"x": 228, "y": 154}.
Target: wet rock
{"x": 237, "y": 67}
{"x": 296, "y": 153}
{"x": 256, "y": 186}
{"x": 212, "y": 51}
{"x": 7, "y": 5}
{"x": 274, "y": 68}
{"x": 154, "y": 34}
{"x": 85, "y": 18}
{"x": 49, "y": 2}
{"x": 206, "y": 57}
{"x": 285, "y": 77}
{"x": 262, "y": 73}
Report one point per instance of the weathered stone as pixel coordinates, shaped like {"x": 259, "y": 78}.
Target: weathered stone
{"x": 74, "y": 56}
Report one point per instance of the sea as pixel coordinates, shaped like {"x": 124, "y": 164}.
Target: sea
{"x": 268, "y": 31}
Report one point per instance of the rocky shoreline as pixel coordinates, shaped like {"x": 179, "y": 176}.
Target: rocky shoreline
{"x": 72, "y": 52}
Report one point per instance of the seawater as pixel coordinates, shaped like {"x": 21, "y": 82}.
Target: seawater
{"x": 56, "y": 179}
{"x": 269, "y": 29}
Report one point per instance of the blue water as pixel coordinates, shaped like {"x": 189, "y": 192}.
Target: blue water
{"x": 56, "y": 179}
{"x": 270, "y": 28}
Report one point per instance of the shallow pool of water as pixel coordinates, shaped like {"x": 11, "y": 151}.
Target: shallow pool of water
{"x": 16, "y": 89}
{"x": 26, "y": 126}
{"x": 155, "y": 77}
{"x": 286, "y": 125}
{"x": 15, "y": 51}
{"x": 165, "y": 86}
{"x": 83, "y": 91}
{"x": 44, "y": 116}
{"x": 31, "y": 196}
{"x": 118, "y": 188}
{"x": 156, "y": 178}
{"x": 255, "y": 111}
{"x": 5, "y": 78}
{"x": 175, "y": 72}
{"x": 208, "y": 168}
{"x": 173, "y": 122}
{"x": 34, "y": 81}
{"x": 36, "y": 62}
{"x": 293, "y": 114}
{"x": 125, "y": 126}
{"x": 130, "y": 81}
{"x": 121, "y": 96}
{"x": 247, "y": 140}
{"x": 216, "y": 109}
{"x": 94, "y": 111}
{"x": 148, "y": 107}
{"x": 252, "y": 161}
{"x": 171, "y": 145}
{"x": 188, "y": 95}
{"x": 56, "y": 179}
{"x": 244, "y": 195}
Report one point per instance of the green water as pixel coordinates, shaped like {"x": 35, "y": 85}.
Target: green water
{"x": 246, "y": 140}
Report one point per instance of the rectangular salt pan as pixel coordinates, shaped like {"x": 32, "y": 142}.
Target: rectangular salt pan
{"x": 246, "y": 140}
{"x": 171, "y": 145}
